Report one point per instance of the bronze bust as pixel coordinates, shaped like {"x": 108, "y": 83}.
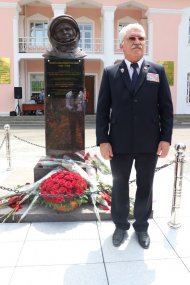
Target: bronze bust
{"x": 64, "y": 35}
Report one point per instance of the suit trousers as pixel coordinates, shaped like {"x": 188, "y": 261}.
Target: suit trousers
{"x": 121, "y": 165}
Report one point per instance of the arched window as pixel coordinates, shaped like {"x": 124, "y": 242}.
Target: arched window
{"x": 124, "y": 22}
{"x": 86, "y": 36}
{"x": 86, "y": 27}
{"x": 38, "y": 33}
{"x": 37, "y": 30}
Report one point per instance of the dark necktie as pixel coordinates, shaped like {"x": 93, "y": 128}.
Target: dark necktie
{"x": 134, "y": 75}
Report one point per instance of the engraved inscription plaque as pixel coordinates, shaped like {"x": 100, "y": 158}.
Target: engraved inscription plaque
{"x": 63, "y": 76}
{"x": 64, "y": 106}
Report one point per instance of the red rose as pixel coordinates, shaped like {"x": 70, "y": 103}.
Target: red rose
{"x": 14, "y": 202}
{"x": 68, "y": 185}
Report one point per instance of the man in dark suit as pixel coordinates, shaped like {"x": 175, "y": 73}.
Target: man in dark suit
{"x": 134, "y": 123}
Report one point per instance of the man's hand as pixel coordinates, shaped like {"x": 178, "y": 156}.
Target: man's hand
{"x": 163, "y": 149}
{"x": 106, "y": 151}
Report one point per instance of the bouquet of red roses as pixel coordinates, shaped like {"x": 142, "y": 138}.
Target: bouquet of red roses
{"x": 63, "y": 190}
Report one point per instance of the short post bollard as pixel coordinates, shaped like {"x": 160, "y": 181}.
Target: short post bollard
{"x": 8, "y": 148}
{"x": 178, "y": 178}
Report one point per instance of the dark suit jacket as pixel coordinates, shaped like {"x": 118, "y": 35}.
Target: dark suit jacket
{"x": 134, "y": 122}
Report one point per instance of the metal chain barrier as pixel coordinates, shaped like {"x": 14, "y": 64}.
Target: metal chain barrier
{"x": 23, "y": 140}
{"x": 178, "y": 176}
{"x": 157, "y": 169}
{"x": 28, "y": 141}
{"x": 86, "y": 193}
{"x": 11, "y": 190}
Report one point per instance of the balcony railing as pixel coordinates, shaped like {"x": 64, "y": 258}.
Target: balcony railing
{"x": 32, "y": 44}
{"x": 36, "y": 45}
{"x": 89, "y": 45}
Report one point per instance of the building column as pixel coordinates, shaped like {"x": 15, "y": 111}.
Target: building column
{"x": 108, "y": 35}
{"x": 182, "y": 106}
{"x": 149, "y": 47}
{"x": 16, "y": 47}
{"x": 58, "y": 9}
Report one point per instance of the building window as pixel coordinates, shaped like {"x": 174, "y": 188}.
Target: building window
{"x": 38, "y": 34}
{"x": 188, "y": 87}
{"x": 37, "y": 84}
{"x": 121, "y": 25}
{"x": 86, "y": 34}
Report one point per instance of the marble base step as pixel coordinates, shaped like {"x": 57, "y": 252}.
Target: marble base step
{"x": 40, "y": 213}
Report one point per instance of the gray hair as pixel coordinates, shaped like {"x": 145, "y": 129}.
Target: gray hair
{"x": 127, "y": 28}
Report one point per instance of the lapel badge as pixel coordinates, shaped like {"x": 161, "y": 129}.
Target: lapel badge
{"x": 122, "y": 70}
{"x": 145, "y": 67}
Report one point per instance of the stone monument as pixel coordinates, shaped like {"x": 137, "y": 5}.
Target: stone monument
{"x": 64, "y": 91}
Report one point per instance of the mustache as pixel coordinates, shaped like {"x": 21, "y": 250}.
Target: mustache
{"x": 139, "y": 46}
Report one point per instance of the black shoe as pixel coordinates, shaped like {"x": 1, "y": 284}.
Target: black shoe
{"x": 143, "y": 239}
{"x": 118, "y": 236}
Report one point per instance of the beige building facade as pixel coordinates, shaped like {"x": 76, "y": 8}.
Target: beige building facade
{"x": 23, "y": 40}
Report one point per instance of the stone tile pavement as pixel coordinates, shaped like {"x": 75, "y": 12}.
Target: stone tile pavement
{"x": 68, "y": 253}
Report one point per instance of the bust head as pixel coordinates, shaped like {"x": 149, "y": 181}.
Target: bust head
{"x": 62, "y": 30}
{"x": 64, "y": 35}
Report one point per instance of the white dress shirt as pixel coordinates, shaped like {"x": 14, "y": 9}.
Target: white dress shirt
{"x": 130, "y": 69}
